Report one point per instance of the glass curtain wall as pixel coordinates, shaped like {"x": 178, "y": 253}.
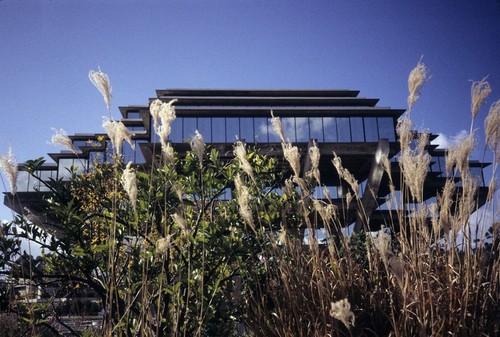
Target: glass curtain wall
{"x": 296, "y": 129}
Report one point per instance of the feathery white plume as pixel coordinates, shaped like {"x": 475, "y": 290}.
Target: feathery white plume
{"x": 341, "y": 310}
{"x": 129, "y": 182}
{"x": 277, "y": 126}
{"x": 117, "y": 133}
{"x": 61, "y": 138}
{"x": 8, "y": 164}
{"x": 416, "y": 79}
{"x": 198, "y": 146}
{"x": 241, "y": 153}
{"x": 101, "y": 81}
{"x": 479, "y": 92}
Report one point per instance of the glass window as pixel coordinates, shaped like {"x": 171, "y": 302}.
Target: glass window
{"x": 302, "y": 129}
{"x": 357, "y": 131}
{"x": 442, "y": 165}
{"x": 218, "y": 130}
{"x": 247, "y": 129}
{"x": 45, "y": 175}
{"x": 22, "y": 181}
{"x": 205, "y": 128}
{"x": 188, "y": 127}
{"x": 477, "y": 173}
{"x": 135, "y": 128}
{"x": 64, "y": 168}
{"x": 319, "y": 192}
{"x": 176, "y": 131}
{"x": 79, "y": 143}
{"x": 330, "y": 129}
{"x": 232, "y": 129}
{"x": 128, "y": 153}
{"x": 343, "y": 130}
{"x": 139, "y": 156}
{"x": 316, "y": 128}
{"x": 261, "y": 125}
{"x": 371, "y": 132}
{"x": 386, "y": 128}
{"x": 289, "y": 128}
{"x": 133, "y": 114}
{"x": 226, "y": 194}
{"x": 96, "y": 157}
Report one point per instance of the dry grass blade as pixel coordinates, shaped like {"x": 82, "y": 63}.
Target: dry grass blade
{"x": 492, "y": 129}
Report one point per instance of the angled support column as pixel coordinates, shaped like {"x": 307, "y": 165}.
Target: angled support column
{"x": 369, "y": 199}
{"x": 306, "y": 162}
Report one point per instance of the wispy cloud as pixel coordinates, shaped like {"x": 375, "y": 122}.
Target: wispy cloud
{"x": 444, "y": 141}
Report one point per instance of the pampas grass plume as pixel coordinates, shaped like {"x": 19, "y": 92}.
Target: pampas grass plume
{"x": 129, "y": 183}
{"x": 291, "y": 154}
{"x": 8, "y": 164}
{"x": 241, "y": 153}
{"x": 117, "y": 133}
{"x": 480, "y": 90}
{"x": 492, "y": 129}
{"x": 277, "y": 127}
{"x": 101, "y": 81}
{"x": 341, "y": 310}
{"x": 198, "y": 146}
{"x": 416, "y": 79}
{"x": 61, "y": 138}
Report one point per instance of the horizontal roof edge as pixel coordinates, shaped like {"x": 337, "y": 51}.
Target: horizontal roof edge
{"x": 258, "y": 92}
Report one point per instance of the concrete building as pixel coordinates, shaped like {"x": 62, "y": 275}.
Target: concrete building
{"x": 339, "y": 121}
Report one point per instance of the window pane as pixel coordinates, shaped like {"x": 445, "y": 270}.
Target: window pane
{"x": 188, "y": 127}
{"x": 218, "y": 130}
{"x": 477, "y": 173}
{"x": 343, "y": 129}
{"x": 302, "y": 129}
{"x": 330, "y": 129}
{"x": 289, "y": 128}
{"x": 357, "y": 132}
{"x": 386, "y": 128}
{"x": 246, "y": 129}
{"x": 232, "y": 129}
{"x": 128, "y": 153}
{"x": 96, "y": 157}
{"x": 205, "y": 128}
{"x": 64, "y": 168}
{"x": 133, "y": 114}
{"x": 22, "y": 181}
{"x": 176, "y": 131}
{"x": 371, "y": 133}
{"x": 45, "y": 175}
{"x": 316, "y": 128}
{"x": 261, "y": 130}
{"x": 139, "y": 157}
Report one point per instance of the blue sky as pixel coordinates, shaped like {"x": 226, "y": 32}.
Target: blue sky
{"x": 48, "y": 47}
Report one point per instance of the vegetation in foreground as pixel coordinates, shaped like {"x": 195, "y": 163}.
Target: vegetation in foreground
{"x": 166, "y": 254}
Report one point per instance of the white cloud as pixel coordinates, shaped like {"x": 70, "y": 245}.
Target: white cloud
{"x": 443, "y": 141}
